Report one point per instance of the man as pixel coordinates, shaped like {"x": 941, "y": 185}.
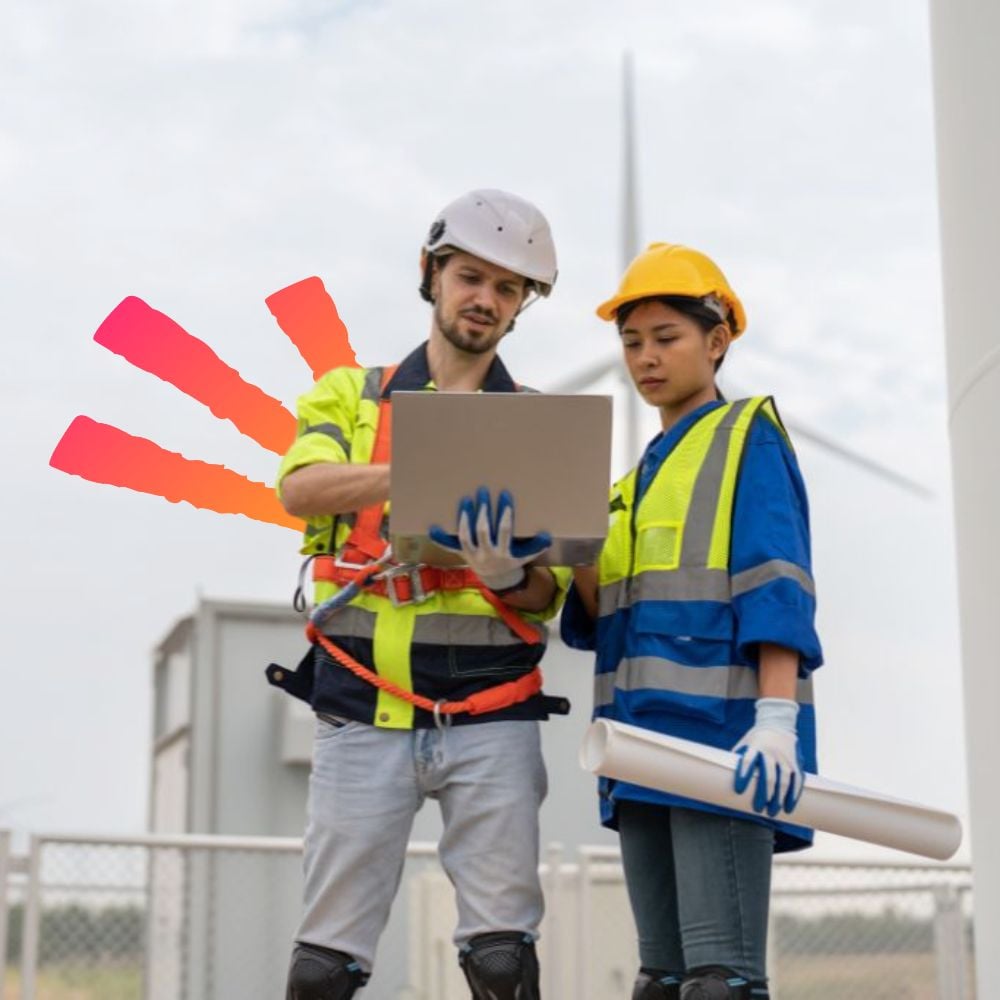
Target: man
{"x": 411, "y": 646}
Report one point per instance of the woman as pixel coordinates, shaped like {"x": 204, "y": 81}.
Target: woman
{"x": 701, "y": 613}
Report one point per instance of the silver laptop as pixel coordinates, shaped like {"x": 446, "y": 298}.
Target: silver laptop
{"x": 553, "y": 453}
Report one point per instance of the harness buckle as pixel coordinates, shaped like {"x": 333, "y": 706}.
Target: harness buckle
{"x": 340, "y": 563}
{"x": 410, "y": 573}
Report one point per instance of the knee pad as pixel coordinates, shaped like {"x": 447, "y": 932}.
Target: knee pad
{"x": 501, "y": 966}
{"x": 656, "y": 984}
{"x": 716, "y": 982}
{"x": 323, "y": 974}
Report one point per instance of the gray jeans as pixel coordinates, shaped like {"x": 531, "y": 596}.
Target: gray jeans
{"x": 699, "y": 884}
{"x": 365, "y": 789}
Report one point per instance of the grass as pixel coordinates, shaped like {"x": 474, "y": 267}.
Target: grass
{"x": 820, "y": 977}
{"x": 102, "y": 982}
{"x": 857, "y": 977}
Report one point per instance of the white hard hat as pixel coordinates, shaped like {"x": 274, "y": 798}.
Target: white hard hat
{"x": 501, "y": 228}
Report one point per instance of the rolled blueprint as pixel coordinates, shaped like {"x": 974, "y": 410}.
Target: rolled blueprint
{"x": 680, "y": 767}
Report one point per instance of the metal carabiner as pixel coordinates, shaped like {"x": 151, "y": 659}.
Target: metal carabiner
{"x": 299, "y": 602}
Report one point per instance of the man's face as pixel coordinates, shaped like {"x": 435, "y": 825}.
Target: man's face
{"x": 474, "y": 301}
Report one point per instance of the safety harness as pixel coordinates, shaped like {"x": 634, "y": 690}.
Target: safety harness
{"x": 365, "y": 564}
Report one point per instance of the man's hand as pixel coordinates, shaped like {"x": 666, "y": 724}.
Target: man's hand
{"x": 487, "y": 543}
{"x": 770, "y": 753}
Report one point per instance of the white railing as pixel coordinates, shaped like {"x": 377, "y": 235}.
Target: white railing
{"x": 212, "y": 918}
{"x": 4, "y": 903}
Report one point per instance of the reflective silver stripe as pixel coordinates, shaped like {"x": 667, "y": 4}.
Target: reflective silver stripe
{"x": 611, "y": 596}
{"x": 774, "y": 569}
{"x": 464, "y": 630}
{"x": 330, "y": 431}
{"x": 604, "y": 689}
{"x": 435, "y": 629}
{"x": 353, "y": 621}
{"x": 653, "y": 673}
{"x": 689, "y": 583}
{"x": 700, "y": 520}
{"x": 372, "y": 388}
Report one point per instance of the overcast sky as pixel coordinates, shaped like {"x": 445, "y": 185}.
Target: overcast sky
{"x": 201, "y": 155}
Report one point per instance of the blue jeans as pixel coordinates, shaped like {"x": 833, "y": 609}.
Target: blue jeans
{"x": 365, "y": 788}
{"x": 699, "y": 885}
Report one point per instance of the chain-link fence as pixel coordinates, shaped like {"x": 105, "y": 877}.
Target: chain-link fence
{"x": 212, "y": 918}
{"x": 867, "y": 932}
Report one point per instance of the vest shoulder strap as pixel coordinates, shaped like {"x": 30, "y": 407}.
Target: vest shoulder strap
{"x": 365, "y": 542}
{"x": 770, "y": 410}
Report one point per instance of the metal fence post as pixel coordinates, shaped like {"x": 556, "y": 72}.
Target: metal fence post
{"x": 32, "y": 920}
{"x": 585, "y": 925}
{"x": 771, "y": 960}
{"x": 554, "y": 906}
{"x": 4, "y": 892}
{"x": 949, "y": 944}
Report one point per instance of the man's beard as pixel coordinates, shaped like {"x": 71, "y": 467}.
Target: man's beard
{"x": 467, "y": 342}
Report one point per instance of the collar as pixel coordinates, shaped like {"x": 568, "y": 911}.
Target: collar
{"x": 413, "y": 375}
{"x": 663, "y": 444}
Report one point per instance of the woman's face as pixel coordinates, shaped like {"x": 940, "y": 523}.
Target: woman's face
{"x": 670, "y": 357}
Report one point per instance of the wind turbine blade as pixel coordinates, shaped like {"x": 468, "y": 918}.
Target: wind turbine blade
{"x": 630, "y": 228}
{"x": 859, "y": 460}
{"x": 586, "y": 376}
{"x": 630, "y": 198}
{"x": 831, "y": 446}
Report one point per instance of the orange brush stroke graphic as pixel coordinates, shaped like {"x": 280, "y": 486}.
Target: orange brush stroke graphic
{"x": 152, "y": 341}
{"x": 309, "y": 317}
{"x": 102, "y": 453}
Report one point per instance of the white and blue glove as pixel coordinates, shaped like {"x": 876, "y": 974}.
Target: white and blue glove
{"x": 770, "y": 758}
{"x": 487, "y": 543}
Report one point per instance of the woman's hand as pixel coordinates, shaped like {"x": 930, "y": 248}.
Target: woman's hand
{"x": 770, "y": 753}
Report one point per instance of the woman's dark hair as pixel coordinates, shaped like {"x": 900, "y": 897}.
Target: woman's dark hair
{"x": 706, "y": 317}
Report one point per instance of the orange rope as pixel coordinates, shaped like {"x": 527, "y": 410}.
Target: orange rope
{"x": 491, "y": 700}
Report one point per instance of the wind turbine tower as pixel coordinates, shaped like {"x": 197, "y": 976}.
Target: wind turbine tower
{"x": 966, "y": 85}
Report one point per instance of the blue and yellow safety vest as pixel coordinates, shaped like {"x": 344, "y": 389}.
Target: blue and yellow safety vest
{"x": 683, "y": 604}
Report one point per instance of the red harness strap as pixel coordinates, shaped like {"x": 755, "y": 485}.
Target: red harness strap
{"x": 366, "y": 545}
{"x": 402, "y": 588}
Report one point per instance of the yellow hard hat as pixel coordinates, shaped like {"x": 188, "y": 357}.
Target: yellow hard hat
{"x": 670, "y": 269}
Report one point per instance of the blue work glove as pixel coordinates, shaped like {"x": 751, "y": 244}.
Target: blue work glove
{"x": 487, "y": 541}
{"x": 770, "y": 753}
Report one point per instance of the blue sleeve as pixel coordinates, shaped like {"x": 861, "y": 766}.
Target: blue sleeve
{"x": 774, "y": 599}
{"x": 577, "y": 628}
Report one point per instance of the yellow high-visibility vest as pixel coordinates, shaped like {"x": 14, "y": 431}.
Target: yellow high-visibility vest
{"x": 338, "y": 421}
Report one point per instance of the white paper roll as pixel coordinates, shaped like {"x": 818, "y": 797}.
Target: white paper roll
{"x": 680, "y": 767}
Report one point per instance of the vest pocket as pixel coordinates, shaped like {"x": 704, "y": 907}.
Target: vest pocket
{"x": 685, "y": 620}
{"x": 500, "y": 662}
{"x": 680, "y": 659}
{"x": 658, "y": 546}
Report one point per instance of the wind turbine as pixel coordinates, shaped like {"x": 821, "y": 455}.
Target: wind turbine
{"x": 630, "y": 247}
